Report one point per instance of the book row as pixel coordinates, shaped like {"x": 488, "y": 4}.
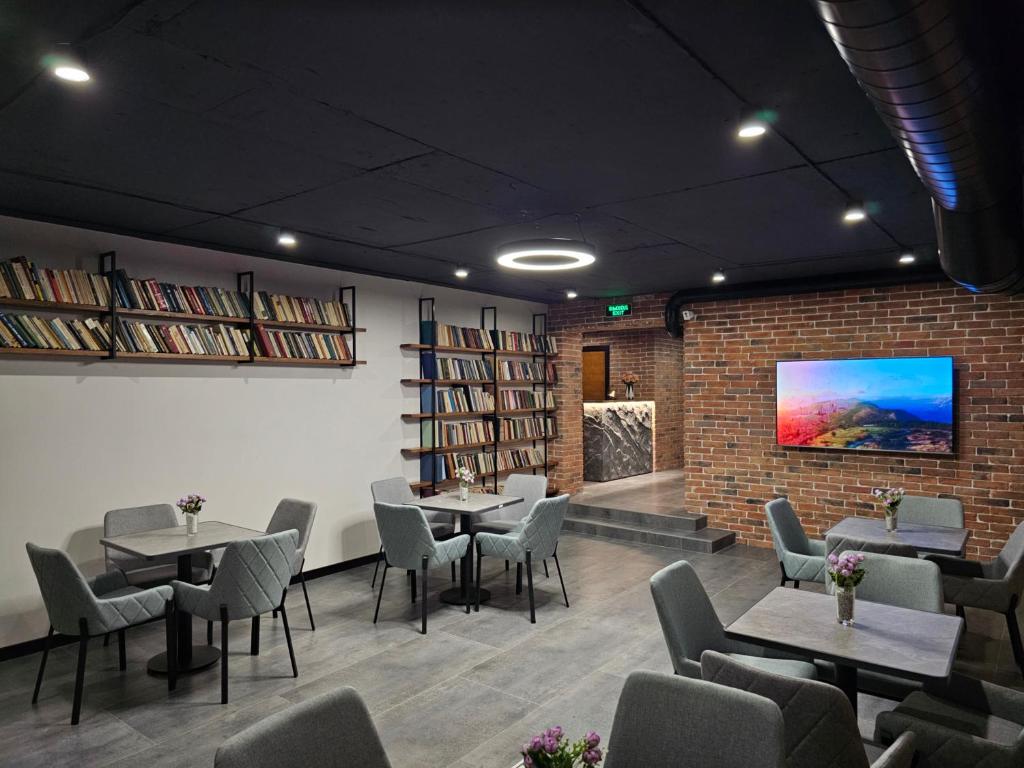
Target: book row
{"x": 180, "y": 339}
{"x": 433, "y": 367}
{"x": 520, "y": 429}
{"x": 481, "y": 463}
{"x": 480, "y": 338}
{"x": 518, "y": 370}
{"x": 21, "y": 279}
{"x": 523, "y": 399}
{"x": 464, "y": 397}
{"x": 302, "y": 344}
{"x": 31, "y": 332}
{"x": 456, "y": 433}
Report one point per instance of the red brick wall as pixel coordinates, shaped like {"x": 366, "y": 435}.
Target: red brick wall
{"x": 733, "y": 465}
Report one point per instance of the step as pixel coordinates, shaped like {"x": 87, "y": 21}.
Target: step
{"x": 707, "y": 540}
{"x": 681, "y": 522}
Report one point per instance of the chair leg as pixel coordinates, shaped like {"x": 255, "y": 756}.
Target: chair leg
{"x": 305, "y": 594}
{"x": 479, "y": 559}
{"x": 783, "y": 580}
{"x": 796, "y": 584}
{"x": 288, "y": 636}
{"x": 529, "y": 586}
{"x": 558, "y": 568}
{"x": 519, "y": 578}
{"x": 172, "y": 645}
{"x": 380, "y": 594}
{"x": 453, "y": 570}
{"x": 83, "y": 648}
{"x": 412, "y": 584}
{"x": 380, "y": 556}
{"x": 42, "y": 663}
{"x": 506, "y": 565}
{"x": 223, "y": 654}
{"x": 464, "y": 566}
{"x": 1014, "y": 630}
{"x": 209, "y": 633}
{"x": 254, "y": 640}
{"x": 122, "y": 655}
{"x": 423, "y": 597}
{"x": 546, "y": 574}
{"x": 106, "y": 640}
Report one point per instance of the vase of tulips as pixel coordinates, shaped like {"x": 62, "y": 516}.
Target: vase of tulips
{"x": 630, "y": 380}
{"x": 846, "y": 572}
{"x": 466, "y": 477}
{"x": 890, "y": 498}
{"x": 191, "y": 505}
{"x": 551, "y": 749}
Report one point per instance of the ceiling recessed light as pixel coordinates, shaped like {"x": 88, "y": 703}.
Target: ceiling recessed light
{"x": 718, "y": 277}
{"x": 752, "y": 129}
{"x": 571, "y": 294}
{"x": 854, "y": 213}
{"x": 287, "y": 239}
{"x": 546, "y": 255}
{"x": 461, "y": 272}
{"x": 71, "y": 73}
{"x": 908, "y": 258}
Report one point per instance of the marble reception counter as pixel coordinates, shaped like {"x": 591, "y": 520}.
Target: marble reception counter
{"x": 618, "y": 439}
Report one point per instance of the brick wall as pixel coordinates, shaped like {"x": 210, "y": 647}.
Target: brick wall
{"x": 733, "y": 465}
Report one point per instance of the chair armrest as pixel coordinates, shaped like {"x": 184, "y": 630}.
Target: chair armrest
{"x": 192, "y": 599}
{"x": 107, "y": 582}
{"x": 129, "y": 610}
{"x": 817, "y": 547}
{"x": 900, "y": 753}
{"x": 944, "y": 746}
{"x": 956, "y": 566}
{"x": 980, "y": 695}
{"x": 449, "y": 550}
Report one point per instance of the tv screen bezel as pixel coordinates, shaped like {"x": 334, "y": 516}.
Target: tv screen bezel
{"x": 952, "y": 453}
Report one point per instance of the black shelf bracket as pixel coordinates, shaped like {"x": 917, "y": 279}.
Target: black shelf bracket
{"x": 108, "y": 266}
{"x": 247, "y": 286}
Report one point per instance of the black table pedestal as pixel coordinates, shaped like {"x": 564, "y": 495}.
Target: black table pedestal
{"x": 846, "y": 681}
{"x": 190, "y": 658}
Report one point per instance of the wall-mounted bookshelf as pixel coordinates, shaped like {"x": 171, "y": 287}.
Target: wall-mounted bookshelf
{"x": 107, "y": 315}
{"x": 496, "y": 414}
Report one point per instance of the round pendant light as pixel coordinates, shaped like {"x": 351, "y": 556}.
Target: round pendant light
{"x": 548, "y": 254}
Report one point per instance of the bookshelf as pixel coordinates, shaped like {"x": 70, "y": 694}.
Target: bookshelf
{"x": 124, "y": 332}
{"x": 500, "y": 419}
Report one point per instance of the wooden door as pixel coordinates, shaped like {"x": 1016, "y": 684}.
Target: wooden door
{"x": 595, "y": 373}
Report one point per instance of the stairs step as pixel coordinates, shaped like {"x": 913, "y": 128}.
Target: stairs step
{"x": 707, "y": 540}
{"x": 680, "y": 522}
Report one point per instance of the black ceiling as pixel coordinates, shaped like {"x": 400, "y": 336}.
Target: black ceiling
{"x": 404, "y": 138}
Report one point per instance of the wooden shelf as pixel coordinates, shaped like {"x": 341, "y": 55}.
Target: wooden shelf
{"x": 453, "y": 483}
{"x": 232, "y": 320}
{"x": 474, "y": 446}
{"x": 470, "y": 414}
{"x": 306, "y": 361}
{"x": 51, "y": 306}
{"x": 179, "y": 357}
{"x": 290, "y": 326}
{"x": 51, "y": 353}
{"x": 477, "y": 382}
{"x": 475, "y": 351}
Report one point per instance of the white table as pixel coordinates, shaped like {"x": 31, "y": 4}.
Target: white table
{"x": 940, "y": 539}
{"x": 175, "y": 541}
{"x": 472, "y": 508}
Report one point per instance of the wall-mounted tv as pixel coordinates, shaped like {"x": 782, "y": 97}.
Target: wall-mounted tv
{"x": 872, "y": 404}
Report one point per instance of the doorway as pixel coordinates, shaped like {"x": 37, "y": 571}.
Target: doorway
{"x": 595, "y": 373}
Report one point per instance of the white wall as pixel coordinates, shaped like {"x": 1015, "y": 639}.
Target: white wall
{"x": 77, "y": 439}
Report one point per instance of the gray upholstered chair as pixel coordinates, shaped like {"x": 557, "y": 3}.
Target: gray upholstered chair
{"x": 396, "y": 490}
{"x": 536, "y": 538}
{"x": 836, "y": 543}
{"x": 928, "y": 510}
{"x": 409, "y": 543}
{"x": 819, "y": 725}
{"x": 964, "y": 723}
{"x": 532, "y": 488}
{"x": 140, "y": 571}
{"x": 297, "y": 515}
{"x": 902, "y": 581}
{"x": 663, "y": 721}
{"x": 993, "y": 586}
{"x": 84, "y": 609}
{"x": 333, "y": 730}
{"x": 252, "y": 580}
{"x": 800, "y": 558}
{"x": 691, "y": 626}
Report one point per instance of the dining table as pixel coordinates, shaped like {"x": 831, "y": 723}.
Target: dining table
{"x": 936, "y": 539}
{"x": 903, "y": 642}
{"x": 467, "y": 511}
{"x": 177, "y": 542}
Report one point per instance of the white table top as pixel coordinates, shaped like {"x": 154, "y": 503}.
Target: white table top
{"x": 885, "y": 638}
{"x": 477, "y": 504}
{"x": 174, "y": 541}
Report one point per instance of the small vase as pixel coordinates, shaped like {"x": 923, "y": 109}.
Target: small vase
{"x": 629, "y": 391}
{"x": 191, "y": 524}
{"x": 890, "y": 519}
{"x": 463, "y": 492}
{"x": 845, "y": 599}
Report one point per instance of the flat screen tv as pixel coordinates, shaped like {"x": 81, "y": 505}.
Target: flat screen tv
{"x": 873, "y": 404}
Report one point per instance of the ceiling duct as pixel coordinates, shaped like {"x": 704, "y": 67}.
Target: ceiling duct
{"x": 928, "y": 67}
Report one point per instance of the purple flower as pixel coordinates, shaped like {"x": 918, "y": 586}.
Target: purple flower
{"x": 591, "y": 756}
{"x": 555, "y": 732}
{"x": 592, "y": 739}
{"x": 550, "y": 744}
{"x": 845, "y": 572}
{"x": 833, "y": 558}
{"x": 527, "y": 761}
{"x": 536, "y": 744}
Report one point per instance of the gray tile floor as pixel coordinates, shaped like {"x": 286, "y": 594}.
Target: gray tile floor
{"x": 656, "y": 492}
{"x": 467, "y": 694}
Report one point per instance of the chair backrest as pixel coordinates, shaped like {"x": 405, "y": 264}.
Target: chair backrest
{"x": 404, "y": 534}
{"x": 836, "y": 543}
{"x": 901, "y": 581}
{"x": 66, "y": 594}
{"x": 787, "y": 533}
{"x": 1009, "y": 563}
{"x": 253, "y": 574}
{"x": 532, "y": 488}
{"x": 333, "y": 730}
{"x": 819, "y": 724}
{"x": 293, "y": 514}
{"x": 394, "y": 490}
{"x": 688, "y": 619}
{"x": 928, "y": 510}
{"x": 664, "y": 721}
{"x": 542, "y": 525}
{"x": 118, "y": 522}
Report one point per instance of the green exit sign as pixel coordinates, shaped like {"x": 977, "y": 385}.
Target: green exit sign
{"x": 622, "y": 309}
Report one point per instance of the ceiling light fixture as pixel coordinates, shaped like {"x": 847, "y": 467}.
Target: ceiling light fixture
{"x": 546, "y": 255}
{"x": 287, "y": 239}
{"x": 854, "y": 212}
{"x": 908, "y": 258}
{"x": 461, "y": 272}
{"x": 71, "y": 73}
{"x": 571, "y": 294}
{"x": 718, "y": 277}
{"x": 752, "y": 129}
{"x": 754, "y": 123}
{"x": 67, "y": 65}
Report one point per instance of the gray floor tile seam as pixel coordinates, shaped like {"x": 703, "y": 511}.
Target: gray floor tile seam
{"x": 536, "y": 704}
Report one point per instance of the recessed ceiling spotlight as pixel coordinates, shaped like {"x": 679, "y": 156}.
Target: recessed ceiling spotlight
{"x": 908, "y": 258}
{"x": 67, "y": 65}
{"x": 287, "y": 239}
{"x": 718, "y": 276}
{"x": 854, "y": 212}
{"x": 571, "y": 294}
{"x": 71, "y": 73}
{"x": 461, "y": 272}
{"x": 754, "y": 123}
{"x": 546, "y": 255}
{"x": 752, "y": 129}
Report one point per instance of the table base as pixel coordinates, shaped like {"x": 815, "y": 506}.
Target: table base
{"x": 203, "y": 657}
{"x": 454, "y": 596}
{"x": 846, "y": 681}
